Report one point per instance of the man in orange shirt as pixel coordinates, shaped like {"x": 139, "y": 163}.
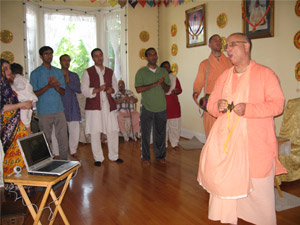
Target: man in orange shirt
{"x": 216, "y": 64}
{"x": 240, "y": 157}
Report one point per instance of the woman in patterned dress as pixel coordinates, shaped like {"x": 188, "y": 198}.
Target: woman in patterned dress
{"x": 11, "y": 126}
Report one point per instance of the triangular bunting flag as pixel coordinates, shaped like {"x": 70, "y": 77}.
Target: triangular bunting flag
{"x": 157, "y": 3}
{"x": 142, "y": 2}
{"x": 175, "y": 2}
{"x": 133, "y": 3}
{"x": 113, "y": 2}
{"x": 150, "y": 2}
{"x": 181, "y": 1}
{"x": 122, "y": 3}
{"x": 103, "y": 2}
{"x": 166, "y": 2}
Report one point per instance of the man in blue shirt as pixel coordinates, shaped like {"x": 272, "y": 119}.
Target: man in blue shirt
{"x": 49, "y": 85}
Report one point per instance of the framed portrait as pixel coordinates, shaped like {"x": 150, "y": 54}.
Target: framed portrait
{"x": 195, "y": 26}
{"x": 258, "y": 18}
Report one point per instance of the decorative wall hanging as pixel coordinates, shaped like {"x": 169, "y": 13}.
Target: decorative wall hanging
{"x": 142, "y": 53}
{"x": 222, "y": 20}
{"x": 7, "y": 55}
{"x": 174, "y": 68}
{"x": 6, "y": 36}
{"x": 150, "y": 2}
{"x": 142, "y": 2}
{"x": 297, "y": 71}
{"x": 133, "y": 3}
{"x": 297, "y": 40}
{"x": 297, "y": 8}
{"x": 195, "y": 26}
{"x": 157, "y": 3}
{"x": 166, "y": 2}
{"x": 173, "y": 30}
{"x": 144, "y": 36}
{"x": 223, "y": 39}
{"x": 122, "y": 3}
{"x": 258, "y": 18}
{"x": 174, "y": 49}
{"x": 113, "y": 2}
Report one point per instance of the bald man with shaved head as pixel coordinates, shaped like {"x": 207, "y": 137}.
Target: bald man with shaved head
{"x": 239, "y": 160}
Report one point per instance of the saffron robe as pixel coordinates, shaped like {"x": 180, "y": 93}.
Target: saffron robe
{"x": 265, "y": 100}
{"x": 216, "y": 68}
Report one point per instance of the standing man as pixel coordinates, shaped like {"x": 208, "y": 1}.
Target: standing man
{"x": 153, "y": 82}
{"x": 98, "y": 84}
{"x": 240, "y": 157}
{"x": 126, "y": 100}
{"x": 209, "y": 70}
{"x": 49, "y": 85}
{"x": 71, "y": 105}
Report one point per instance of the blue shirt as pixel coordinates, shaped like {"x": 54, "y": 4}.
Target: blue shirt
{"x": 70, "y": 102}
{"x": 50, "y": 101}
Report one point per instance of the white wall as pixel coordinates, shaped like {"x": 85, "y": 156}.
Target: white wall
{"x": 12, "y": 20}
{"x": 140, "y": 19}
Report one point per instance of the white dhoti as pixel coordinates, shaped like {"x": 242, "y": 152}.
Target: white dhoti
{"x": 257, "y": 208}
{"x": 173, "y": 131}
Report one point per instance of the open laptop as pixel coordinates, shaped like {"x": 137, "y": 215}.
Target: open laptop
{"x": 38, "y": 158}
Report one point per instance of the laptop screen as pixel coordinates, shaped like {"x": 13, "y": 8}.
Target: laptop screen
{"x": 35, "y": 148}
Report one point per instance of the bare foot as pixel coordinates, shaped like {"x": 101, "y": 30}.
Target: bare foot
{"x": 162, "y": 161}
{"x": 76, "y": 156}
{"x": 146, "y": 163}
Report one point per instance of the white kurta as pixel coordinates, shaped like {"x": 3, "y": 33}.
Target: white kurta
{"x": 102, "y": 120}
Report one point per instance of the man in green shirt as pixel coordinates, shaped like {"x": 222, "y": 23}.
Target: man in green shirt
{"x": 153, "y": 81}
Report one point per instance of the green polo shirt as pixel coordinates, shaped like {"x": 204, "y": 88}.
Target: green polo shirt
{"x": 154, "y": 99}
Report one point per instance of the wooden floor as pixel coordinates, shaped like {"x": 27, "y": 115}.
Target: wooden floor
{"x": 130, "y": 194}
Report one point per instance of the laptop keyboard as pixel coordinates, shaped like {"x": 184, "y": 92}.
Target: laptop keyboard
{"x": 52, "y": 166}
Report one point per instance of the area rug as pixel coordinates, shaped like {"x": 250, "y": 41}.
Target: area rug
{"x": 191, "y": 144}
{"x": 287, "y": 202}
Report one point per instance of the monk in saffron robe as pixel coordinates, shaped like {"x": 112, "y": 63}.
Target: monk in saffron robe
{"x": 240, "y": 157}
{"x": 217, "y": 64}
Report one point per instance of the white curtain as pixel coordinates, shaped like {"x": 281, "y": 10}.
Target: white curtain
{"x": 113, "y": 28}
{"x": 74, "y": 26}
{"x": 47, "y": 26}
{"x": 32, "y": 38}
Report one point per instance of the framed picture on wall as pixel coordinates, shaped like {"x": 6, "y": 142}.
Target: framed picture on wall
{"x": 195, "y": 26}
{"x": 258, "y": 18}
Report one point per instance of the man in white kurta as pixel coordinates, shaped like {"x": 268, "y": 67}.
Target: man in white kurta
{"x": 103, "y": 120}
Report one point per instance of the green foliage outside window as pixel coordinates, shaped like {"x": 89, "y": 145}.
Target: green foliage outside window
{"x": 77, "y": 51}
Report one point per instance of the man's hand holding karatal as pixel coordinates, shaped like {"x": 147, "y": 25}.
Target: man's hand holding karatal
{"x": 53, "y": 82}
{"x": 101, "y": 88}
{"x": 160, "y": 80}
{"x": 126, "y": 98}
{"x": 109, "y": 90}
{"x": 195, "y": 97}
{"x": 222, "y": 105}
{"x": 240, "y": 109}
